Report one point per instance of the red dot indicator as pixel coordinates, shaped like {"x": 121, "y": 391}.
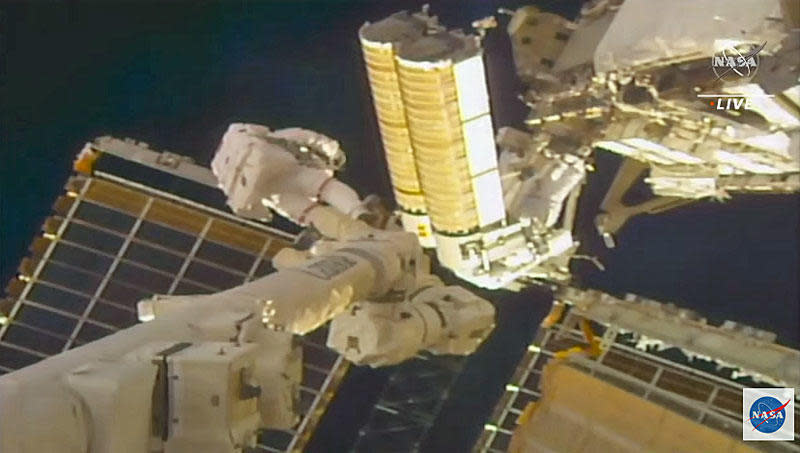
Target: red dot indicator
{"x": 711, "y": 103}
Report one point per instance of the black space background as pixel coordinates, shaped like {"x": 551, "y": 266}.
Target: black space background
{"x": 176, "y": 74}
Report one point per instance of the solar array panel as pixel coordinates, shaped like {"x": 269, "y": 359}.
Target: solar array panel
{"x": 694, "y": 393}
{"x": 409, "y": 404}
{"x": 110, "y": 243}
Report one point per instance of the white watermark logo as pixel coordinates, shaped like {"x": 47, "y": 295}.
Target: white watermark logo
{"x": 736, "y": 63}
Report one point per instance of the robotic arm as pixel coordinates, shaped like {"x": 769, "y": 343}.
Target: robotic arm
{"x": 206, "y": 372}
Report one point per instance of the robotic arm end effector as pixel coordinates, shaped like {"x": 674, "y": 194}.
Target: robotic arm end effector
{"x": 439, "y": 319}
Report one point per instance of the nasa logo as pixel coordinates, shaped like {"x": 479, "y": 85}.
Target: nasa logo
{"x": 768, "y": 414}
{"x": 733, "y": 64}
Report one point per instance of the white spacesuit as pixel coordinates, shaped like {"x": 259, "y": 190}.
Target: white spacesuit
{"x": 289, "y": 171}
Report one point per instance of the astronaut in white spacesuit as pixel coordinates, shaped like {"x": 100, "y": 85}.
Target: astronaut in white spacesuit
{"x": 289, "y": 171}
